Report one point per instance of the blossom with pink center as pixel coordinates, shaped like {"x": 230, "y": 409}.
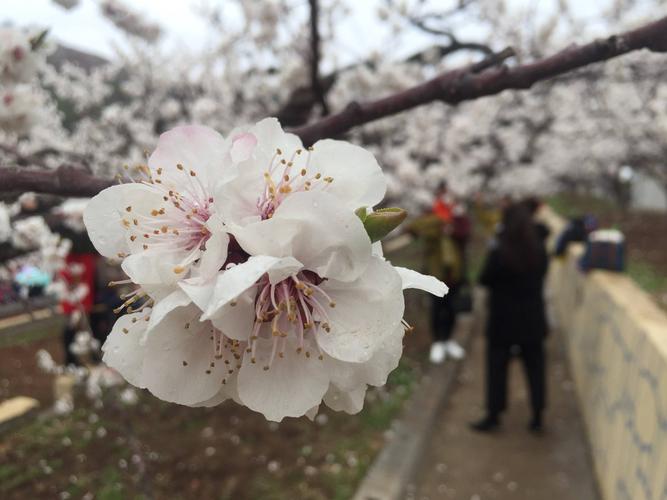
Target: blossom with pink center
{"x": 274, "y": 165}
{"x": 19, "y": 62}
{"x": 162, "y": 222}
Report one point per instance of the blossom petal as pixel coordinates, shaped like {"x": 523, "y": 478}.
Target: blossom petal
{"x": 235, "y": 319}
{"x": 177, "y": 298}
{"x": 123, "y": 350}
{"x": 214, "y": 255}
{"x": 228, "y": 390}
{"x": 413, "y": 279}
{"x": 197, "y": 148}
{"x": 348, "y": 376}
{"x": 236, "y": 200}
{"x": 103, "y": 216}
{"x": 290, "y": 388}
{"x": 180, "y": 364}
{"x": 270, "y": 136}
{"x": 358, "y": 178}
{"x": 365, "y": 311}
{"x": 242, "y": 147}
{"x": 236, "y": 280}
{"x": 315, "y": 229}
{"x": 312, "y": 413}
{"x": 198, "y": 290}
{"x": 154, "y": 267}
{"x": 350, "y": 402}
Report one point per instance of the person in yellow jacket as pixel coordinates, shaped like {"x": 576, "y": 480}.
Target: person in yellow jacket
{"x": 444, "y": 232}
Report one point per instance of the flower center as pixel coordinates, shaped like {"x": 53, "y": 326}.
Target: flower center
{"x": 285, "y": 175}
{"x": 178, "y": 223}
{"x": 297, "y": 305}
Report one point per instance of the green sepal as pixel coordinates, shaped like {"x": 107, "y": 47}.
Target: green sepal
{"x": 381, "y": 222}
{"x": 361, "y": 213}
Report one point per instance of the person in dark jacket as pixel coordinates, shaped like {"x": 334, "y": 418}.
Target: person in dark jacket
{"x": 514, "y": 273}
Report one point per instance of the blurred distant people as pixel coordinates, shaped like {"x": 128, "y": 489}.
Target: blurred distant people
{"x": 486, "y": 213}
{"x": 514, "y": 273}
{"x": 577, "y": 230}
{"x": 445, "y": 232}
{"x": 31, "y": 281}
{"x": 533, "y": 205}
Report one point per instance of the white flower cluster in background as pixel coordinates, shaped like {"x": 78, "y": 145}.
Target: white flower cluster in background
{"x": 41, "y": 248}
{"x": 561, "y": 135}
{"x": 22, "y": 53}
{"x": 257, "y": 279}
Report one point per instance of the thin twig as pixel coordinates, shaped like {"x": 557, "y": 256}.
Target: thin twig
{"x": 315, "y": 82}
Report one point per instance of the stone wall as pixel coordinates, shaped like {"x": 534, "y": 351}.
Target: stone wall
{"x": 617, "y": 344}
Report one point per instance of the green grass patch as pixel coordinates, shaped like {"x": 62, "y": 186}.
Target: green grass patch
{"x": 572, "y": 205}
{"x": 647, "y": 276}
{"x": 31, "y": 332}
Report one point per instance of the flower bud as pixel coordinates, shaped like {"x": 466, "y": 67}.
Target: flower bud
{"x": 380, "y": 223}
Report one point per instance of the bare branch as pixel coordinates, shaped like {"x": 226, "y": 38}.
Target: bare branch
{"x": 460, "y": 85}
{"x": 64, "y": 181}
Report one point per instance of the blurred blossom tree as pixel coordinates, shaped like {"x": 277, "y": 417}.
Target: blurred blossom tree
{"x": 269, "y": 59}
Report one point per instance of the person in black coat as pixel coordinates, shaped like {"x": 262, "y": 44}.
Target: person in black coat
{"x": 514, "y": 273}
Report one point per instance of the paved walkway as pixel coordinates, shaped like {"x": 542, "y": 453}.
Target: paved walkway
{"x": 511, "y": 464}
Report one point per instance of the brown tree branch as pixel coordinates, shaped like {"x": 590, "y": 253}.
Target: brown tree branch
{"x": 469, "y": 83}
{"x": 64, "y": 181}
{"x": 451, "y": 87}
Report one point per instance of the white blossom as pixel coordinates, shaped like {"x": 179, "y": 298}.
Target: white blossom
{"x": 300, "y": 309}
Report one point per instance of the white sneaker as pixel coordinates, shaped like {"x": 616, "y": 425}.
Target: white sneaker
{"x": 438, "y": 352}
{"x": 454, "y": 350}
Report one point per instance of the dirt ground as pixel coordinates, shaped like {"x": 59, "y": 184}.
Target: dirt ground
{"x": 19, "y": 373}
{"x": 511, "y": 464}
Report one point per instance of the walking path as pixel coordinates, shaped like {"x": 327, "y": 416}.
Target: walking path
{"x": 512, "y": 463}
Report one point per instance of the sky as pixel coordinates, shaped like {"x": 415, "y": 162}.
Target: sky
{"x": 85, "y": 28}
{"x": 357, "y": 34}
